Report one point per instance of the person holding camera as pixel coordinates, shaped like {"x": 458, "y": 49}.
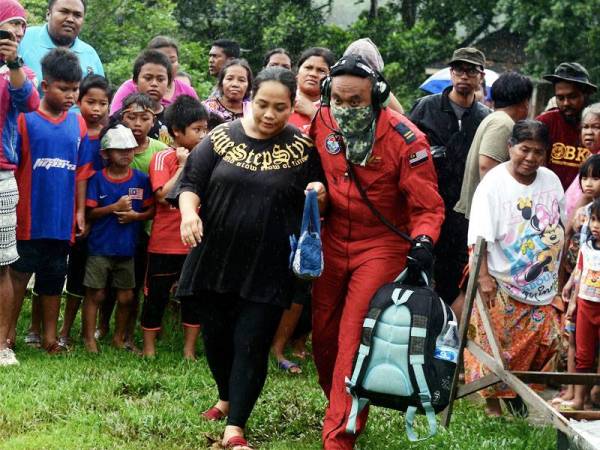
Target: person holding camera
{"x": 450, "y": 120}
{"x": 17, "y": 94}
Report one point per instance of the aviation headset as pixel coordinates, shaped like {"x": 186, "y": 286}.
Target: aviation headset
{"x": 356, "y": 65}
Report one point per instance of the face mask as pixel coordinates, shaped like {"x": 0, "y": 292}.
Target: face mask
{"x": 357, "y": 125}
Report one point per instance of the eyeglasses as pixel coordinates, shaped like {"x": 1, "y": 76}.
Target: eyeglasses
{"x": 469, "y": 71}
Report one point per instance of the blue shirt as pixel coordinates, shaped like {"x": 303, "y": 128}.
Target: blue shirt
{"x": 37, "y": 42}
{"x": 108, "y": 237}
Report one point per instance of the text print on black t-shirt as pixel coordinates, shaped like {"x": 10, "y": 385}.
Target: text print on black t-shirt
{"x": 278, "y": 157}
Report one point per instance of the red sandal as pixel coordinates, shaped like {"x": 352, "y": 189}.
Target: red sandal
{"x": 236, "y": 441}
{"x": 213, "y": 414}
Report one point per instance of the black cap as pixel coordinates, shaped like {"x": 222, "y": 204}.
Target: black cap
{"x": 571, "y": 72}
{"x": 352, "y": 65}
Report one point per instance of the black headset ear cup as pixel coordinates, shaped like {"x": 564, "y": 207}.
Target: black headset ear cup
{"x": 326, "y": 91}
{"x": 380, "y": 92}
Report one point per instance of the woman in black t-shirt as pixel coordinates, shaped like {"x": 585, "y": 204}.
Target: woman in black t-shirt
{"x": 248, "y": 177}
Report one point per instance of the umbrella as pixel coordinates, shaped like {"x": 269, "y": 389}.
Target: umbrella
{"x": 440, "y": 80}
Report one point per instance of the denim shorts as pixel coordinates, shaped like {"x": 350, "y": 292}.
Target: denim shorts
{"x": 47, "y": 258}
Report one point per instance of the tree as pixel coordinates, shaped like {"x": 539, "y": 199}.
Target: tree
{"x": 557, "y": 31}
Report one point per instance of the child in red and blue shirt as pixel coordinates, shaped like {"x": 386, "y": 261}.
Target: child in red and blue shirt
{"x": 54, "y": 165}
{"x": 94, "y": 98}
{"x": 187, "y": 121}
{"x": 120, "y": 199}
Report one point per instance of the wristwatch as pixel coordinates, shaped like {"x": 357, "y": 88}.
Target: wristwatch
{"x": 16, "y": 64}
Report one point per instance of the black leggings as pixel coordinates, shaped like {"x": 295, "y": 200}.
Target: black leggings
{"x": 237, "y": 337}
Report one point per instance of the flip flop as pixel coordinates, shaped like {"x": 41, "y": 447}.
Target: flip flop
{"x": 289, "y": 366}
{"x": 236, "y": 441}
{"x": 213, "y": 414}
{"x": 566, "y": 406}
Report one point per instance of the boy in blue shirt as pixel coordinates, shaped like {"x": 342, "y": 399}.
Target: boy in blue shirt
{"x": 54, "y": 164}
{"x": 120, "y": 199}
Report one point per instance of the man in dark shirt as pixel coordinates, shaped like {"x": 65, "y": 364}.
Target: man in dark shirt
{"x": 572, "y": 89}
{"x": 450, "y": 120}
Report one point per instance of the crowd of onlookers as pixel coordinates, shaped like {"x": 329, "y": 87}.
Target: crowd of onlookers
{"x": 149, "y": 190}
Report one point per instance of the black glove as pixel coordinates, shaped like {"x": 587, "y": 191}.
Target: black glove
{"x": 420, "y": 259}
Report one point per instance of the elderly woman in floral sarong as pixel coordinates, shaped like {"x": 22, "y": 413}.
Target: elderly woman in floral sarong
{"x": 518, "y": 209}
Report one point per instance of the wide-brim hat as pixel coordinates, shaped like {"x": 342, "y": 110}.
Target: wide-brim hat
{"x": 571, "y": 72}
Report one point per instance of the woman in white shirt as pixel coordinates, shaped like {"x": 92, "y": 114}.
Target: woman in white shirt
{"x": 518, "y": 209}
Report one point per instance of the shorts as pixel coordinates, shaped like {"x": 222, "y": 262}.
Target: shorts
{"x": 9, "y": 196}
{"x": 76, "y": 269}
{"x": 47, "y": 258}
{"x": 120, "y": 269}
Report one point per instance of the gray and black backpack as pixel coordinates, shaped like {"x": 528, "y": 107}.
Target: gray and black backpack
{"x": 395, "y": 365}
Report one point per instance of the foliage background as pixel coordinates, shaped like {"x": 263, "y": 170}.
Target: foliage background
{"x": 411, "y": 34}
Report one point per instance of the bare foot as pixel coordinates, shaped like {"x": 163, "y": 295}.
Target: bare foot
{"x": 91, "y": 345}
{"x": 189, "y": 357}
{"x": 129, "y": 346}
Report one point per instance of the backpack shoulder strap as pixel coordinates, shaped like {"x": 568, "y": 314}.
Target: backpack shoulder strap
{"x": 418, "y": 333}
{"x": 364, "y": 350}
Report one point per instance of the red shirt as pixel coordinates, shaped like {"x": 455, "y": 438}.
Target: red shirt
{"x": 165, "y": 237}
{"x": 567, "y": 153}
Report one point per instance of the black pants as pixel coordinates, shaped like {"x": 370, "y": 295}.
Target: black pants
{"x": 163, "y": 272}
{"x": 451, "y": 256}
{"x": 237, "y": 337}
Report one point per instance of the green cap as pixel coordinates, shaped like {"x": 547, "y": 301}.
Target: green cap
{"x": 469, "y": 55}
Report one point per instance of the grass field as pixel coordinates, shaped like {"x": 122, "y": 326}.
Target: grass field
{"x": 118, "y": 400}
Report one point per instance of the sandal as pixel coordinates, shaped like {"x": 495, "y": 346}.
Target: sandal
{"x": 33, "y": 340}
{"x": 236, "y": 441}
{"x": 55, "y": 349}
{"x": 566, "y": 406}
{"x": 289, "y": 366}
{"x": 213, "y": 414}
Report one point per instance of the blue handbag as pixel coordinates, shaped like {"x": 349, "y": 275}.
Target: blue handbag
{"x": 306, "y": 259}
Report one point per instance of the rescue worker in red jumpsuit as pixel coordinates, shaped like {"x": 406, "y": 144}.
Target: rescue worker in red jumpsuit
{"x": 391, "y": 160}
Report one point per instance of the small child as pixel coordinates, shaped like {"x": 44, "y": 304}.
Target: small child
{"x": 119, "y": 199}
{"x": 587, "y": 302}
{"x": 54, "y": 165}
{"x": 94, "y": 98}
{"x": 187, "y": 121}
{"x": 578, "y": 234}
{"x": 152, "y": 75}
{"x": 137, "y": 114}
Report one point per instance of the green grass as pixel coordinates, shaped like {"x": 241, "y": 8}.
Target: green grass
{"x": 117, "y": 400}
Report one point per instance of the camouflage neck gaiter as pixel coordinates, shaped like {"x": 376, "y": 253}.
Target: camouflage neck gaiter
{"x": 357, "y": 125}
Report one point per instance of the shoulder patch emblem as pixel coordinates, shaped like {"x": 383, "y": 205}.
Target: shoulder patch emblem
{"x": 418, "y": 157}
{"x": 406, "y": 133}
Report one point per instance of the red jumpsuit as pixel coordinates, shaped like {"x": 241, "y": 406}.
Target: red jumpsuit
{"x": 360, "y": 252}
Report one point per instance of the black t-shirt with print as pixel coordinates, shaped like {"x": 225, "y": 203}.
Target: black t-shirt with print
{"x": 252, "y": 197}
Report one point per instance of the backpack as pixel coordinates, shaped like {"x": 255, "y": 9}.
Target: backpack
{"x": 306, "y": 258}
{"x": 395, "y": 365}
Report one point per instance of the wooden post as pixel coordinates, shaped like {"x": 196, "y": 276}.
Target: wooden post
{"x": 516, "y": 380}
{"x": 463, "y": 327}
